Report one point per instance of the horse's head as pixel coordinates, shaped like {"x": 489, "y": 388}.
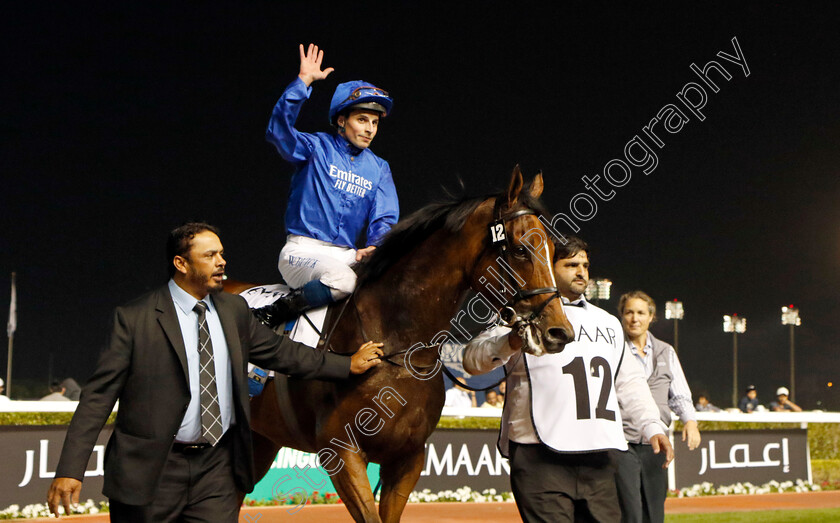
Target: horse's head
{"x": 515, "y": 273}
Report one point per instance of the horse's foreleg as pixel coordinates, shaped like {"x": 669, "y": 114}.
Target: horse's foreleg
{"x": 398, "y": 480}
{"x": 352, "y": 484}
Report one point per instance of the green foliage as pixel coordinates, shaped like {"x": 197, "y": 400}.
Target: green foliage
{"x": 41, "y": 418}
{"x": 449, "y": 422}
{"x": 741, "y": 425}
{"x": 824, "y": 441}
{"x": 826, "y": 473}
{"x": 35, "y": 418}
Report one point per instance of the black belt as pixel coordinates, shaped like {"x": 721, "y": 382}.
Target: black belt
{"x": 194, "y": 448}
{"x": 190, "y": 448}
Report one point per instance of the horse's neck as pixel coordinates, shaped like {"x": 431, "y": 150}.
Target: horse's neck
{"x": 419, "y": 295}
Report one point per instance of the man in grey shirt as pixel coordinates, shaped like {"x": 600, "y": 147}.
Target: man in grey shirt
{"x": 642, "y": 482}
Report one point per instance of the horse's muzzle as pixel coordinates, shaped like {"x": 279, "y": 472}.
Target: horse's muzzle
{"x": 556, "y": 338}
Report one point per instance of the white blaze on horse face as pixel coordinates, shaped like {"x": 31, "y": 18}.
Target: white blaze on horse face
{"x": 550, "y": 266}
{"x": 540, "y": 252}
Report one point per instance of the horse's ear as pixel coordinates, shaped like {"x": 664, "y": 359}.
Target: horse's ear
{"x": 536, "y": 188}
{"x": 515, "y": 187}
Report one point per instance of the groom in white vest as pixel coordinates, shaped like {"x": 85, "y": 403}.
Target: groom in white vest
{"x": 561, "y": 416}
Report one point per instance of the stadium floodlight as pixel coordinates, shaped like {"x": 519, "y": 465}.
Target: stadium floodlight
{"x": 674, "y": 311}
{"x": 736, "y": 325}
{"x": 790, "y": 316}
{"x": 598, "y": 289}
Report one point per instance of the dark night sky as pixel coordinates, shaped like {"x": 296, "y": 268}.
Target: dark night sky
{"x": 120, "y": 122}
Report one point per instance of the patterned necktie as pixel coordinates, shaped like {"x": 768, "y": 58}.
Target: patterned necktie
{"x": 211, "y": 416}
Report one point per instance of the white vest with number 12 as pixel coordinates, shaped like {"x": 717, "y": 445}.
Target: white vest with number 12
{"x": 573, "y": 400}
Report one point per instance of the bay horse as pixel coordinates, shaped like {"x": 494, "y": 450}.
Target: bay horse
{"x": 407, "y": 294}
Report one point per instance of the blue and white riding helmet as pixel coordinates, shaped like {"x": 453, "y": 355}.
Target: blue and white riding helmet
{"x": 359, "y": 95}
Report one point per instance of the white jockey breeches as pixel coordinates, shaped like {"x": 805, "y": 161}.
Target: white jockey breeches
{"x": 305, "y": 259}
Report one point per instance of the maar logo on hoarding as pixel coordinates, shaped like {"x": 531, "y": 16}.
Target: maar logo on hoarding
{"x": 733, "y": 456}
{"x": 445, "y": 464}
{"x": 740, "y": 457}
{"x": 43, "y": 457}
{"x": 458, "y": 457}
{"x": 30, "y": 456}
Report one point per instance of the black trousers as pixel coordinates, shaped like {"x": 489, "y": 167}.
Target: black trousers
{"x": 642, "y": 484}
{"x": 195, "y": 486}
{"x": 554, "y": 487}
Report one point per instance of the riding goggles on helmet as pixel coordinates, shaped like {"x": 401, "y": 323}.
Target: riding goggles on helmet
{"x": 361, "y": 95}
{"x": 366, "y": 91}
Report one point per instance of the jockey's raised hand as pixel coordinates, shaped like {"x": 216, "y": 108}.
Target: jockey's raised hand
{"x": 310, "y": 65}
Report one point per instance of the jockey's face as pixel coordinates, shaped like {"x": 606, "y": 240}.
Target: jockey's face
{"x": 359, "y": 126}
{"x": 572, "y": 275}
{"x": 201, "y": 272}
{"x": 636, "y": 317}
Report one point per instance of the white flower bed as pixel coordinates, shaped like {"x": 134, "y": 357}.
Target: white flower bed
{"x": 708, "y": 489}
{"x": 463, "y": 494}
{"x": 42, "y": 511}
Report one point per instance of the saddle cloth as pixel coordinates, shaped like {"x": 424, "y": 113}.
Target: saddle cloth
{"x": 299, "y": 330}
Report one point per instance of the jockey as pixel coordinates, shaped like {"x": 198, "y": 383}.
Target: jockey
{"x": 340, "y": 192}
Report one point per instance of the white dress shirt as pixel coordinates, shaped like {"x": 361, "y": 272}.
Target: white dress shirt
{"x": 190, "y": 430}
{"x": 679, "y": 394}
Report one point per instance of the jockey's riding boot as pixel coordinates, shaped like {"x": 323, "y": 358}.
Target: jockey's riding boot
{"x": 283, "y": 309}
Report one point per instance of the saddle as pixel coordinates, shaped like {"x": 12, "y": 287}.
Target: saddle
{"x": 305, "y": 329}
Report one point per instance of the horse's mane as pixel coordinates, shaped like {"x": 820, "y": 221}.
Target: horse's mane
{"x": 449, "y": 214}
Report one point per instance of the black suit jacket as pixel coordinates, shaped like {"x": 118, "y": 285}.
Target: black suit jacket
{"x": 144, "y": 366}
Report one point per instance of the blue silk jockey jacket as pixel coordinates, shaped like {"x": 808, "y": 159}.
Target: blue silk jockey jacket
{"x": 338, "y": 191}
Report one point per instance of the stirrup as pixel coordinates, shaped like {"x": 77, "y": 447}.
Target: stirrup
{"x": 283, "y": 309}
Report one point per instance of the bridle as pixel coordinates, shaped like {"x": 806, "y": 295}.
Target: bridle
{"x": 500, "y": 239}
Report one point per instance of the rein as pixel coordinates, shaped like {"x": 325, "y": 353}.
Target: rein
{"x": 446, "y": 370}
{"x": 475, "y": 389}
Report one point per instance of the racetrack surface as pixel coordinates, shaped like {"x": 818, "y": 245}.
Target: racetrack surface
{"x": 497, "y": 512}
{"x": 743, "y": 503}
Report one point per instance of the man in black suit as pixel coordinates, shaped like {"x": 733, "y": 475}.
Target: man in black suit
{"x": 177, "y": 363}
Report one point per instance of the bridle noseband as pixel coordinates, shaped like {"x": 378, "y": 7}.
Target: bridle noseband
{"x": 499, "y": 238}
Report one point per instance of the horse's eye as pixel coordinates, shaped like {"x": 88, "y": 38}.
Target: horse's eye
{"x": 520, "y": 251}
